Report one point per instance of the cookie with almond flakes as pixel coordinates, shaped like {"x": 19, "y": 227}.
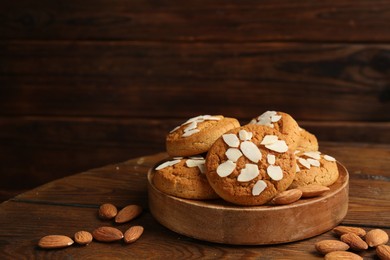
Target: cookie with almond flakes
{"x": 282, "y": 122}
{"x": 197, "y": 134}
{"x": 183, "y": 178}
{"x": 249, "y": 165}
{"x": 313, "y": 167}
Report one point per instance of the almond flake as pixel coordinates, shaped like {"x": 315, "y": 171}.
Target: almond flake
{"x": 208, "y": 117}
{"x": 279, "y": 146}
{"x": 251, "y": 151}
{"x": 259, "y": 187}
{"x": 197, "y": 118}
{"x": 329, "y": 158}
{"x": 297, "y": 168}
{"x": 297, "y": 151}
{"x": 226, "y": 168}
{"x": 191, "y": 126}
{"x": 313, "y": 162}
{"x": 231, "y": 140}
{"x": 266, "y": 118}
{"x": 190, "y": 132}
{"x": 271, "y": 158}
{"x": 275, "y": 119}
{"x": 303, "y": 162}
{"x": 244, "y": 135}
{"x": 202, "y": 168}
{"x": 313, "y": 155}
{"x": 275, "y": 172}
{"x": 174, "y": 129}
{"x": 193, "y": 163}
{"x": 197, "y": 157}
{"x": 233, "y": 154}
{"x": 250, "y": 172}
{"x": 167, "y": 164}
{"x": 269, "y": 139}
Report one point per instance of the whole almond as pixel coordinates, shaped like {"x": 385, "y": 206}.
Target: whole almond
{"x": 354, "y": 241}
{"x": 341, "y": 230}
{"x": 287, "y": 197}
{"x": 376, "y": 237}
{"x": 128, "y": 213}
{"x": 342, "y": 255}
{"x": 327, "y": 246}
{"x": 55, "y": 241}
{"x": 83, "y": 237}
{"x": 312, "y": 190}
{"x": 133, "y": 233}
{"x": 107, "y": 211}
{"x": 107, "y": 234}
{"x": 383, "y": 252}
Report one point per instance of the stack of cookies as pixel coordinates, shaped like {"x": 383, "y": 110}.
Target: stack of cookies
{"x": 214, "y": 157}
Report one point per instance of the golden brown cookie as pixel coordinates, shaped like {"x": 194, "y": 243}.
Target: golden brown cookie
{"x": 197, "y": 134}
{"x": 282, "y": 122}
{"x": 307, "y": 141}
{"x": 249, "y": 165}
{"x": 184, "y": 178}
{"x": 315, "y": 168}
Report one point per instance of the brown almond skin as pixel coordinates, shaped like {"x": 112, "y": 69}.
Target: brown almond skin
{"x": 107, "y": 234}
{"x": 133, "y": 233}
{"x": 354, "y": 241}
{"x": 107, "y": 211}
{"x": 83, "y": 237}
{"x": 287, "y": 197}
{"x": 341, "y": 230}
{"x": 128, "y": 213}
{"x": 326, "y": 246}
{"x": 342, "y": 255}
{"x": 376, "y": 237}
{"x": 383, "y": 252}
{"x": 55, "y": 241}
{"x": 312, "y": 190}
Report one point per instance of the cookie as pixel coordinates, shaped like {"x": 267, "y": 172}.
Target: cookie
{"x": 307, "y": 141}
{"x": 249, "y": 165}
{"x": 282, "y": 122}
{"x": 183, "y": 178}
{"x": 197, "y": 134}
{"x": 315, "y": 168}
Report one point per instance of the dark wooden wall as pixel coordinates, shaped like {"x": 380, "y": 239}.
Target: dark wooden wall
{"x": 87, "y": 83}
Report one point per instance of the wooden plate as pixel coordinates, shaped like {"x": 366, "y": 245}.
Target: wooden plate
{"x": 222, "y": 222}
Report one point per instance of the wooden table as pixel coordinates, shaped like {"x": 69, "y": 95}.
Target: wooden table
{"x": 70, "y": 204}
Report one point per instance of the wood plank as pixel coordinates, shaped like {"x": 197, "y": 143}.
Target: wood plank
{"x": 172, "y": 80}
{"x": 190, "y": 21}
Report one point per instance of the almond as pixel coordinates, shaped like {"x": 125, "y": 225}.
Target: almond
{"x": 327, "y": 246}
{"x": 287, "y": 197}
{"x": 342, "y": 255}
{"x": 107, "y": 211}
{"x": 55, "y": 241}
{"x": 383, "y": 252}
{"x": 133, "y": 233}
{"x": 83, "y": 237}
{"x": 341, "y": 230}
{"x": 376, "y": 237}
{"x": 128, "y": 213}
{"x": 354, "y": 241}
{"x": 312, "y": 190}
{"x": 107, "y": 234}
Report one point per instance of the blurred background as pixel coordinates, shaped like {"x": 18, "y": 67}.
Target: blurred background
{"x": 88, "y": 83}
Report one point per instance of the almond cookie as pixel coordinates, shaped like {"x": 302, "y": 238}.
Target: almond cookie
{"x": 281, "y": 122}
{"x": 313, "y": 167}
{"x": 307, "y": 141}
{"x": 197, "y": 134}
{"x": 184, "y": 178}
{"x": 249, "y": 165}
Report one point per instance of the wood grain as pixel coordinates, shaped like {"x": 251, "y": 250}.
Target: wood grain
{"x": 226, "y": 21}
{"x": 145, "y": 79}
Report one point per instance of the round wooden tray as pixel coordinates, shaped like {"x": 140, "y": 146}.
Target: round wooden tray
{"x": 222, "y": 222}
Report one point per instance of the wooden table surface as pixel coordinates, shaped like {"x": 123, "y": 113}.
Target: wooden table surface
{"x": 68, "y": 205}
